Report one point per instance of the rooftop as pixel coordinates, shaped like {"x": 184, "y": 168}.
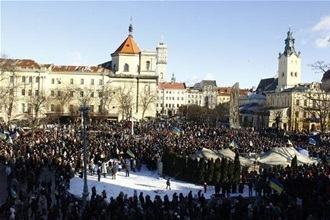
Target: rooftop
{"x": 172, "y": 85}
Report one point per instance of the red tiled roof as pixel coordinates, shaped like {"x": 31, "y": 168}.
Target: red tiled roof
{"x": 27, "y": 63}
{"x": 227, "y": 91}
{"x": 129, "y": 46}
{"x": 93, "y": 69}
{"x": 21, "y": 63}
{"x": 170, "y": 85}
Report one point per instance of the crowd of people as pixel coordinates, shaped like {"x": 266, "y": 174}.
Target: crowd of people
{"x": 39, "y": 165}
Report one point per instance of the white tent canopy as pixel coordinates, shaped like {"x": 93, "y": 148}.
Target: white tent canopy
{"x": 224, "y": 153}
{"x": 229, "y": 154}
{"x": 283, "y": 156}
{"x": 205, "y": 153}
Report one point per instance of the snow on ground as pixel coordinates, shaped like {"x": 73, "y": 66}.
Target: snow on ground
{"x": 144, "y": 181}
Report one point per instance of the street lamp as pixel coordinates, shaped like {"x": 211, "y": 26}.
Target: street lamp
{"x": 84, "y": 111}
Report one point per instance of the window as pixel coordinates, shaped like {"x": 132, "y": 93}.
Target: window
{"x": 71, "y": 81}
{"x": 52, "y": 93}
{"x": 37, "y": 79}
{"x": 92, "y": 108}
{"x": 282, "y": 74}
{"x": 23, "y": 92}
{"x": 314, "y": 103}
{"x": 92, "y": 81}
{"x": 59, "y": 93}
{"x": 81, "y": 81}
{"x": 23, "y": 107}
{"x": 100, "y": 82}
{"x": 297, "y": 102}
{"x": 92, "y": 94}
{"x": 177, "y": 105}
{"x": 148, "y": 65}
{"x": 305, "y": 114}
{"x": 295, "y": 74}
{"x": 126, "y": 67}
{"x": 11, "y": 79}
{"x": 23, "y": 79}
{"x": 30, "y": 79}
{"x": 166, "y": 105}
{"x": 100, "y": 94}
{"x": 157, "y": 105}
{"x": 58, "y": 81}
{"x": 36, "y": 93}
{"x": 52, "y": 107}
{"x": 71, "y": 93}
{"x": 81, "y": 94}
{"x": 305, "y": 102}
{"x": 53, "y": 81}
{"x": 297, "y": 114}
{"x": 291, "y": 73}
{"x": 100, "y": 108}
{"x": 30, "y": 92}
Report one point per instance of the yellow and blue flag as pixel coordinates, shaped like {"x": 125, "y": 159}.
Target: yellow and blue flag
{"x": 176, "y": 130}
{"x": 276, "y": 185}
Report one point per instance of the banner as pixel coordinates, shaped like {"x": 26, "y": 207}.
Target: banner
{"x": 276, "y": 185}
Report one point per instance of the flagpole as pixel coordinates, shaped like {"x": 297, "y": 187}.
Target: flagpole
{"x": 84, "y": 111}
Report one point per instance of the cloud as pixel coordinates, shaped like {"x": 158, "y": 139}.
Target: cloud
{"x": 322, "y": 32}
{"x": 323, "y": 42}
{"x": 323, "y": 24}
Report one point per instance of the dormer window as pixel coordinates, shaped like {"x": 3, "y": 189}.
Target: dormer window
{"x": 126, "y": 67}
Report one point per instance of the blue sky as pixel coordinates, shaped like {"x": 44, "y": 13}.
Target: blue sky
{"x": 226, "y": 41}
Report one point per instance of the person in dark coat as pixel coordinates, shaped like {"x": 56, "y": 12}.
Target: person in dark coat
{"x": 168, "y": 184}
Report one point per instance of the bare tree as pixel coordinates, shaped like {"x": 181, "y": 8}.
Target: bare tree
{"x": 319, "y": 107}
{"x": 107, "y": 96}
{"x": 147, "y": 98}
{"x": 8, "y": 79}
{"x": 62, "y": 97}
{"x": 125, "y": 99}
{"x": 278, "y": 118}
{"x": 39, "y": 103}
{"x": 320, "y": 66}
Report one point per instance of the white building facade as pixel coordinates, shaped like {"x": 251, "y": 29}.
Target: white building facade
{"x": 123, "y": 88}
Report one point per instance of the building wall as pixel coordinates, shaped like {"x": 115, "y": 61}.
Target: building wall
{"x": 289, "y": 71}
{"x": 169, "y": 100}
{"x": 85, "y": 86}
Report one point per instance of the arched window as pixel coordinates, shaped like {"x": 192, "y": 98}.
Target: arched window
{"x": 126, "y": 67}
{"x": 148, "y": 65}
{"x": 295, "y": 74}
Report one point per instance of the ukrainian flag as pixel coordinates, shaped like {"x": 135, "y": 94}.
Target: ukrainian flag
{"x": 176, "y": 130}
{"x": 276, "y": 185}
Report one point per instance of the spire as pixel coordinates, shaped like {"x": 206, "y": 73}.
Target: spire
{"x": 289, "y": 44}
{"x": 130, "y": 28}
{"x": 173, "y": 78}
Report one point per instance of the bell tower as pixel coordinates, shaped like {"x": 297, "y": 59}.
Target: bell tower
{"x": 289, "y": 65}
{"x": 161, "y": 50}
